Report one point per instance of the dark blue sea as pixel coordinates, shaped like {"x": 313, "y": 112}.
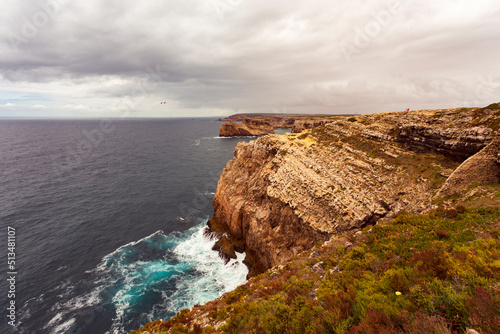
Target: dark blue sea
{"x": 109, "y": 220}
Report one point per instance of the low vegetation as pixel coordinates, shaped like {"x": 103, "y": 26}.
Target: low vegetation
{"x": 433, "y": 273}
{"x": 437, "y": 272}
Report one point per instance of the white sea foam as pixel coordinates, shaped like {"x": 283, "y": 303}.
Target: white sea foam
{"x": 194, "y": 271}
{"x": 216, "y": 277}
{"x": 54, "y": 320}
{"x": 212, "y": 277}
{"x": 57, "y": 323}
{"x": 63, "y": 328}
{"x": 198, "y": 141}
{"x": 130, "y": 244}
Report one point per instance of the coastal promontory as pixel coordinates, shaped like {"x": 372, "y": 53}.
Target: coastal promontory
{"x": 248, "y": 128}
{"x": 378, "y": 223}
{"x": 282, "y": 194}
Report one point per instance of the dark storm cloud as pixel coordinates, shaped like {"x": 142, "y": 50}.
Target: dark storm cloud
{"x": 224, "y": 56}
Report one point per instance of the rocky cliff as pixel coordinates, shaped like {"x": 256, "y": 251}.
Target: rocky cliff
{"x": 306, "y": 124}
{"x": 282, "y": 194}
{"x": 283, "y": 122}
{"x": 249, "y": 127}
{"x": 255, "y": 125}
{"x": 296, "y": 203}
{"x": 482, "y": 167}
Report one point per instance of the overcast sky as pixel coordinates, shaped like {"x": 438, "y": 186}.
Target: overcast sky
{"x": 123, "y": 58}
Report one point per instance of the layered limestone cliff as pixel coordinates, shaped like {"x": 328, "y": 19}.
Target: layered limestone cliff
{"x": 255, "y": 125}
{"x": 249, "y": 127}
{"x": 282, "y": 122}
{"x": 482, "y": 167}
{"x": 282, "y": 194}
{"x": 306, "y": 124}
{"x": 456, "y": 133}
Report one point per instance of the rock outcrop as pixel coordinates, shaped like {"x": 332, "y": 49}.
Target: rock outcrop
{"x": 249, "y": 127}
{"x": 455, "y": 142}
{"x": 296, "y": 123}
{"x": 305, "y": 124}
{"x": 482, "y": 167}
{"x": 282, "y": 194}
{"x": 455, "y": 133}
{"x": 282, "y": 122}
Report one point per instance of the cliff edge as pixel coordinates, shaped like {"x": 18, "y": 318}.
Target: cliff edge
{"x": 282, "y": 194}
{"x": 303, "y": 204}
{"x": 249, "y": 128}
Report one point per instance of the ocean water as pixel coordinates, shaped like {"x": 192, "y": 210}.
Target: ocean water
{"x": 110, "y": 222}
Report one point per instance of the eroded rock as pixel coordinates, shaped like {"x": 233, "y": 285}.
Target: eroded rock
{"x": 250, "y": 127}
{"x": 483, "y": 167}
{"x": 280, "y": 195}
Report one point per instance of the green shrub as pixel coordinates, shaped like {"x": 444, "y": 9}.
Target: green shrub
{"x": 435, "y": 273}
{"x": 494, "y": 106}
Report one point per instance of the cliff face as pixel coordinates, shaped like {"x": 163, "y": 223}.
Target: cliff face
{"x": 306, "y": 124}
{"x": 282, "y": 194}
{"x": 283, "y": 122}
{"x": 249, "y": 127}
{"x": 455, "y": 142}
{"x": 456, "y": 133}
{"x": 254, "y": 125}
{"x": 247, "y": 206}
{"x": 482, "y": 167}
